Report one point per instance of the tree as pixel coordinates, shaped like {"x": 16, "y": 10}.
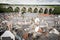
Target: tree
{"x": 30, "y": 10}
{"x": 40, "y": 10}
{"x": 1, "y": 9}
{"x": 46, "y": 10}
{"x": 50, "y": 11}
{"x": 35, "y": 10}
{"x": 9, "y": 9}
{"x": 57, "y": 10}
{"x": 23, "y": 10}
{"x": 16, "y": 9}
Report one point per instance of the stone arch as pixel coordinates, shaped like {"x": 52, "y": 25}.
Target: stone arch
{"x": 40, "y": 10}
{"x": 30, "y": 10}
{"x": 23, "y": 10}
{"x": 46, "y": 11}
{"x": 10, "y": 9}
{"x": 35, "y": 10}
{"x": 17, "y": 9}
{"x": 50, "y": 11}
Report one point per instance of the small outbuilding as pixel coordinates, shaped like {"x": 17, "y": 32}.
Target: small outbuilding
{"x": 7, "y": 35}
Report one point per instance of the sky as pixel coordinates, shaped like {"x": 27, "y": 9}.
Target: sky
{"x": 29, "y": 1}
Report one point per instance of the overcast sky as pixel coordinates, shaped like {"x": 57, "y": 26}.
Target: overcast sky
{"x": 29, "y": 1}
